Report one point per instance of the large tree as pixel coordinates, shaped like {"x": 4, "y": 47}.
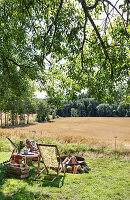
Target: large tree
{"x": 66, "y": 45}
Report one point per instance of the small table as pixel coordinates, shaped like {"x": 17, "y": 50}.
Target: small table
{"x": 29, "y": 157}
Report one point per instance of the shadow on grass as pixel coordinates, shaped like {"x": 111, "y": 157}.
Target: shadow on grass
{"x": 24, "y": 193}
{"x": 26, "y": 125}
{"x": 19, "y": 125}
{"x": 58, "y": 182}
{"x": 2, "y": 174}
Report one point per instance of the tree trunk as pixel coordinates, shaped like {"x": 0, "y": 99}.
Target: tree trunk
{"x": 24, "y": 119}
{"x": 16, "y": 119}
{"x": 1, "y": 119}
{"x": 20, "y": 117}
{"x": 13, "y": 119}
{"x": 5, "y": 120}
{"x": 27, "y": 118}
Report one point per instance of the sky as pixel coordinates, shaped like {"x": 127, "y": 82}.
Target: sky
{"x": 40, "y": 95}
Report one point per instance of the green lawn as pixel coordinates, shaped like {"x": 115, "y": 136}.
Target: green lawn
{"x": 108, "y": 179}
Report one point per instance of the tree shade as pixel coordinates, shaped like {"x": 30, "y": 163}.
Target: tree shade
{"x": 65, "y": 47}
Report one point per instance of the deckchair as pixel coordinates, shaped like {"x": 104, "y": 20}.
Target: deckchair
{"x": 49, "y": 155}
{"x": 12, "y": 144}
{"x": 14, "y": 149}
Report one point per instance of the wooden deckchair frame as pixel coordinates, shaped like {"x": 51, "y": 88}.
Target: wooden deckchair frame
{"x": 12, "y": 144}
{"x": 14, "y": 149}
{"x": 58, "y": 169}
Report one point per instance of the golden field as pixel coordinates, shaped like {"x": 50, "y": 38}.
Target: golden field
{"x": 91, "y": 130}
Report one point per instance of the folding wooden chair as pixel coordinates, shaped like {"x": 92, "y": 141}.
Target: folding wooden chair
{"x": 49, "y": 155}
{"x": 12, "y": 144}
{"x": 14, "y": 149}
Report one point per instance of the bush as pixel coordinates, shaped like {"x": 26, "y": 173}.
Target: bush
{"x": 123, "y": 110}
{"x": 74, "y": 112}
{"x": 42, "y": 111}
{"x": 104, "y": 110}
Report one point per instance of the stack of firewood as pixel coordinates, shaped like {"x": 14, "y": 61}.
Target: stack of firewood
{"x": 17, "y": 170}
{"x": 75, "y": 165}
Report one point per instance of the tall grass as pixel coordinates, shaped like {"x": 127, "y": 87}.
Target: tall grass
{"x": 70, "y": 148}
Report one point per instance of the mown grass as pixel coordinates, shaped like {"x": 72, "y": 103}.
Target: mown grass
{"x": 108, "y": 178}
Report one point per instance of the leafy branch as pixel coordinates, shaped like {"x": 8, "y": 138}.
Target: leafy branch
{"x": 55, "y": 23}
{"x": 84, "y": 6}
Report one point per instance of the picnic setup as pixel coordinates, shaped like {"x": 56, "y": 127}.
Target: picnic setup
{"x": 47, "y": 158}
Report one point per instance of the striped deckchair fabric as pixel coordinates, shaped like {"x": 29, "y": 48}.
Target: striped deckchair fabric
{"x": 49, "y": 155}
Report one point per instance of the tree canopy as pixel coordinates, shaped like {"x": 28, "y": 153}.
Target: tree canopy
{"x": 66, "y": 46}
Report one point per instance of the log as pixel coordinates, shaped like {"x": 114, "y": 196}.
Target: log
{"x": 18, "y": 176}
{"x": 17, "y": 171}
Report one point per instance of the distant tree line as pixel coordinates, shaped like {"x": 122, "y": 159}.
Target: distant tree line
{"x": 18, "y": 111}
{"x": 85, "y": 106}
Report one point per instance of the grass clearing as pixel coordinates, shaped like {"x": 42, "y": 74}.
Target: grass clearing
{"x": 108, "y": 179}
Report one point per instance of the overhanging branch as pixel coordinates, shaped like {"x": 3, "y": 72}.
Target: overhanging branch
{"x": 55, "y": 23}
{"x": 19, "y": 65}
{"x": 116, "y": 11}
{"x": 94, "y": 6}
{"x": 82, "y": 48}
{"x": 84, "y": 6}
